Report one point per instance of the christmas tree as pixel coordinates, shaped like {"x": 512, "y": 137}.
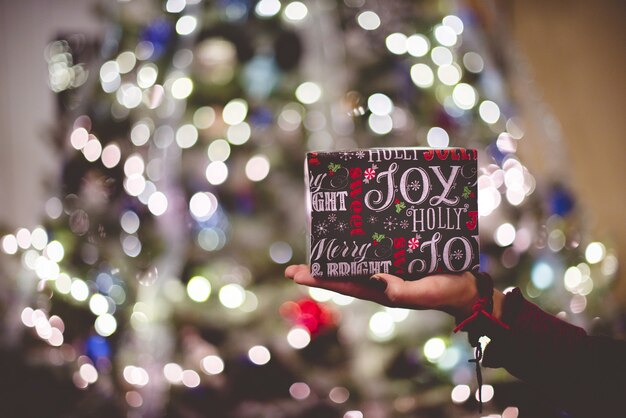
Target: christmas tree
{"x": 154, "y": 287}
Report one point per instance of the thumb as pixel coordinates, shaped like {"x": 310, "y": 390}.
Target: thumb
{"x": 389, "y": 279}
{"x": 393, "y": 286}
{"x": 413, "y": 294}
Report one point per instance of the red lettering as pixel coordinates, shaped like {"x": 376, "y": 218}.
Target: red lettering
{"x": 356, "y": 206}
{"x": 399, "y": 242}
{"x": 399, "y": 259}
{"x": 442, "y": 154}
{"x": 356, "y": 221}
{"x": 356, "y": 189}
{"x": 429, "y": 155}
{"x": 356, "y": 172}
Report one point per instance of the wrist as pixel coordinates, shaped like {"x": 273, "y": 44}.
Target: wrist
{"x": 469, "y": 294}
{"x": 466, "y": 298}
{"x": 498, "y": 304}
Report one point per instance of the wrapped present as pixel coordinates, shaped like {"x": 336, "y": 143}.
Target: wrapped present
{"x": 404, "y": 211}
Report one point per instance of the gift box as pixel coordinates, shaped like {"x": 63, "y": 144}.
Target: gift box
{"x": 410, "y": 212}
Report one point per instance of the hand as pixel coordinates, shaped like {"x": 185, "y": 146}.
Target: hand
{"x": 451, "y": 293}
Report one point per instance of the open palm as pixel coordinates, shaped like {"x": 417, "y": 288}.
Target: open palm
{"x": 450, "y": 293}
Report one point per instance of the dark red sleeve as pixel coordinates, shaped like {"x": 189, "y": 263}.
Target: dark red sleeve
{"x": 585, "y": 375}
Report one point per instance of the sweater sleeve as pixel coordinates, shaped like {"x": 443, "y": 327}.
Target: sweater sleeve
{"x": 585, "y": 375}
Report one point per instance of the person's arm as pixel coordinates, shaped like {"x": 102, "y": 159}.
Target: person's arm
{"x": 585, "y": 374}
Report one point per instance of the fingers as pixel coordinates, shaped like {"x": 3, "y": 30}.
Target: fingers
{"x": 291, "y": 271}
{"x": 367, "y": 290}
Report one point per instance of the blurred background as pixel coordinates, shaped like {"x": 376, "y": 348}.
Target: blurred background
{"x": 152, "y": 194}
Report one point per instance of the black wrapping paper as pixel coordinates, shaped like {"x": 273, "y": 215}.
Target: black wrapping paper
{"x": 404, "y": 211}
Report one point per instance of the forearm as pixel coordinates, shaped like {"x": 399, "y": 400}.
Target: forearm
{"x": 583, "y": 373}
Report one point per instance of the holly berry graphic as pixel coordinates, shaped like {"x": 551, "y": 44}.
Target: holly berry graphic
{"x": 399, "y": 205}
{"x": 467, "y": 192}
{"x": 332, "y": 168}
{"x": 377, "y": 238}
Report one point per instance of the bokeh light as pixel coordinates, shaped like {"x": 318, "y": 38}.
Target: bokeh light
{"x": 257, "y": 167}
{"x": 308, "y": 92}
{"x": 434, "y": 348}
{"x": 259, "y": 355}
{"x": 212, "y": 364}
{"x": 232, "y": 295}
{"x": 368, "y": 20}
{"x": 199, "y": 289}
{"x": 298, "y": 337}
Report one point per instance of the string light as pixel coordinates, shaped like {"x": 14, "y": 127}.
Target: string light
{"x": 232, "y": 295}
{"x": 190, "y": 378}
{"x": 464, "y": 96}
{"x": 437, "y": 137}
{"x": 396, "y": 43}
{"x": 298, "y": 337}
{"x": 417, "y": 45}
{"x": 185, "y": 25}
{"x": 199, "y": 289}
{"x": 212, "y": 364}
{"x": 422, "y": 75}
{"x": 267, "y": 8}
{"x": 595, "y": 252}
{"x": 434, "y": 348}
{"x": 257, "y": 168}
{"x": 296, "y": 11}
{"x": 380, "y": 104}
{"x": 173, "y": 373}
{"x": 308, "y": 92}
{"x": 381, "y": 326}
{"x": 445, "y": 35}
{"x": 259, "y": 355}
{"x": 181, "y": 88}
{"x": 441, "y": 56}
{"x": 460, "y": 393}
{"x": 299, "y": 391}
{"x": 368, "y": 20}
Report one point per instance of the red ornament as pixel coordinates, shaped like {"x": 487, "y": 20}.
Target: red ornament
{"x": 309, "y": 314}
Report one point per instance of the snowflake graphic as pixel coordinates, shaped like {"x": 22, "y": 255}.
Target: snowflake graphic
{"x": 414, "y": 185}
{"x": 332, "y": 217}
{"x": 342, "y": 226}
{"x": 390, "y": 223}
{"x": 321, "y": 229}
{"x": 360, "y": 155}
{"x": 404, "y": 224}
{"x": 345, "y": 155}
{"x": 372, "y": 219}
{"x": 457, "y": 255}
